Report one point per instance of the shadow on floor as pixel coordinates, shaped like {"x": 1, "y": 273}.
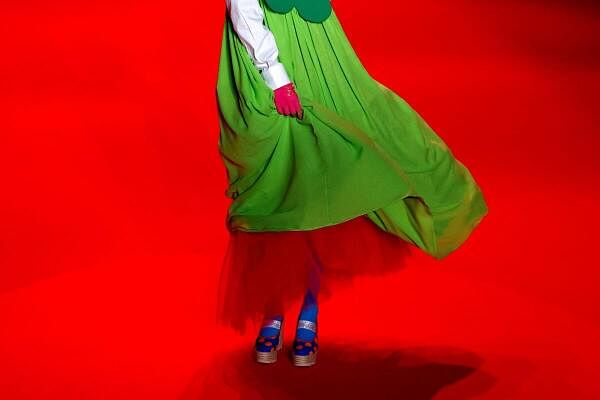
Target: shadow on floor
{"x": 345, "y": 372}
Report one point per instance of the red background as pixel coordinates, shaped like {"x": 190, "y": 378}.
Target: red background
{"x": 112, "y": 208}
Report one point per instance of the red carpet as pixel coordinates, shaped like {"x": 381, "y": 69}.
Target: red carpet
{"x": 112, "y": 208}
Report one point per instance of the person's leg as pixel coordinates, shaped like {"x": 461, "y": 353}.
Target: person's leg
{"x": 309, "y": 312}
{"x": 305, "y": 344}
{"x": 273, "y": 312}
{"x": 310, "y": 309}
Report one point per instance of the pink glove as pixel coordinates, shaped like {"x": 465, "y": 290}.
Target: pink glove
{"x": 287, "y": 102}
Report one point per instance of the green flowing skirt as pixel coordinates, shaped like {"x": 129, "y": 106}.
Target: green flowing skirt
{"x": 360, "y": 149}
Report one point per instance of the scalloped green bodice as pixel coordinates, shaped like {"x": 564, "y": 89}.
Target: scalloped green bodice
{"x": 310, "y": 10}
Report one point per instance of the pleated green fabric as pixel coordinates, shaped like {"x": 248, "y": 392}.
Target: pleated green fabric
{"x": 360, "y": 149}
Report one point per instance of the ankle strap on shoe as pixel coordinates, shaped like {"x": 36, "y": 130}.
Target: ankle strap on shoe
{"x": 305, "y": 324}
{"x": 272, "y": 323}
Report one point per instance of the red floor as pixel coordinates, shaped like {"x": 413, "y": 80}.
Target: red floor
{"x": 112, "y": 209}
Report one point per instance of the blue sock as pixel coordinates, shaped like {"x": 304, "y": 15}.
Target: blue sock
{"x": 270, "y": 331}
{"x": 309, "y": 312}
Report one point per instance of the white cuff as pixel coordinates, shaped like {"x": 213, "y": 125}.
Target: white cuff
{"x": 275, "y": 76}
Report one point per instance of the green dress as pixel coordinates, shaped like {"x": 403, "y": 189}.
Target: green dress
{"x": 359, "y": 149}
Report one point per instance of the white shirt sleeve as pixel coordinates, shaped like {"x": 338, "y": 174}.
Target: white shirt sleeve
{"x": 247, "y": 18}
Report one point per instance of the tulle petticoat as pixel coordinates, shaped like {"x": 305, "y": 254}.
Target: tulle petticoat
{"x": 265, "y": 272}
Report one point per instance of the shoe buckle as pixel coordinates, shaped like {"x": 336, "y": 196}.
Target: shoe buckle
{"x": 272, "y": 324}
{"x": 305, "y": 324}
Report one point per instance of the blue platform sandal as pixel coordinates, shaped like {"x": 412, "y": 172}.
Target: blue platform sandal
{"x": 304, "y": 352}
{"x": 268, "y": 346}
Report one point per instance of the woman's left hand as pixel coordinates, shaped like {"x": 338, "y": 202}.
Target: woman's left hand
{"x": 287, "y": 101}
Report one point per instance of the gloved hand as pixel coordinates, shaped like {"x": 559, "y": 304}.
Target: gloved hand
{"x": 287, "y": 101}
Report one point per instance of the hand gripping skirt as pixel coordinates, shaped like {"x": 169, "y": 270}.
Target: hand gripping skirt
{"x": 338, "y": 193}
